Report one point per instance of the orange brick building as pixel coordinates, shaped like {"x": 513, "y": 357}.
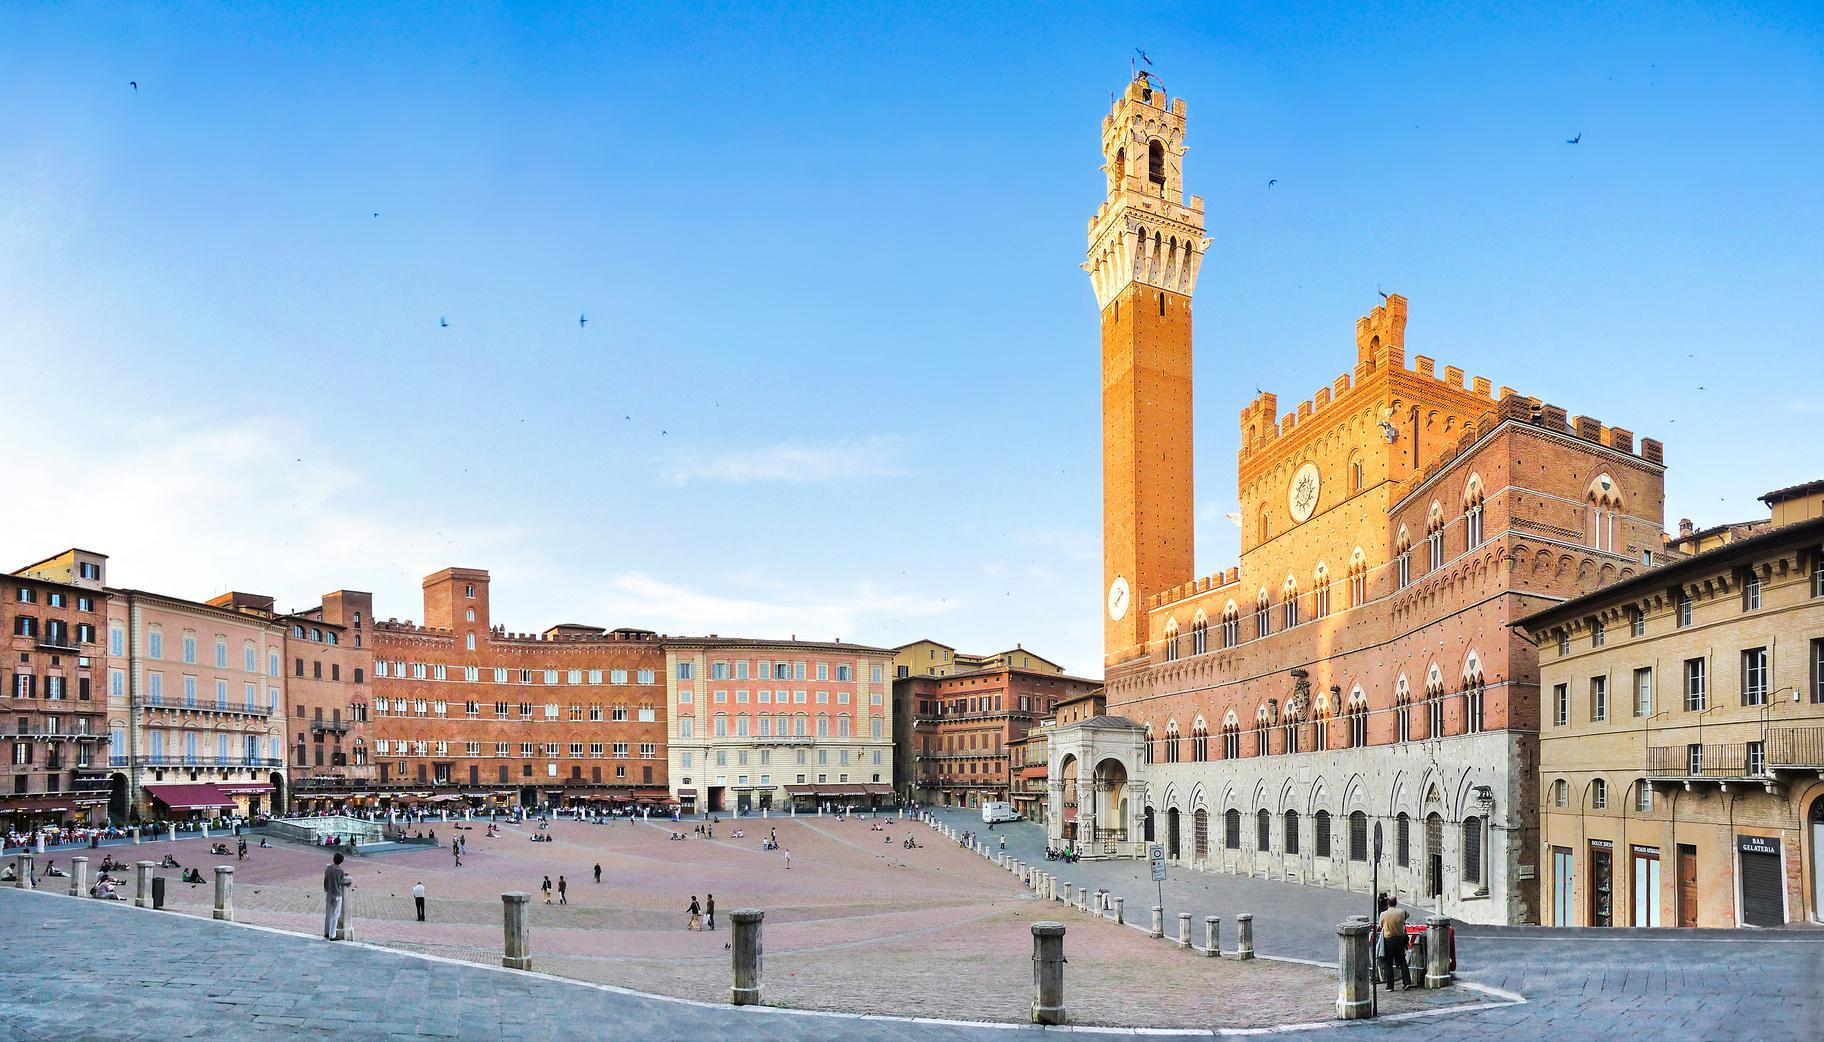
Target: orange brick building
{"x": 463, "y": 707}
{"x": 328, "y": 663}
{"x": 1357, "y": 671}
{"x": 53, "y": 709}
{"x": 960, "y": 726}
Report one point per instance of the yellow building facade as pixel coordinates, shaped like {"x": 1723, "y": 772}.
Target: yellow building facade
{"x": 1681, "y": 748}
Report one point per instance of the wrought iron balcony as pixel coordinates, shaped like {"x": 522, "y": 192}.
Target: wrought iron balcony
{"x": 1795, "y": 748}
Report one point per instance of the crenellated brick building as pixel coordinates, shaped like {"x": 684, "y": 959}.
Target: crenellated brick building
{"x": 1357, "y": 670}
{"x": 461, "y": 706}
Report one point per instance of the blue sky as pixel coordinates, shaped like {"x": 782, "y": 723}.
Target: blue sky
{"x": 840, "y": 374}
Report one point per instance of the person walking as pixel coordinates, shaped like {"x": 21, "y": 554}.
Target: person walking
{"x": 545, "y": 887}
{"x": 240, "y": 849}
{"x": 418, "y": 899}
{"x": 335, "y": 883}
{"x": 1393, "y": 942}
{"x": 598, "y": 872}
{"x": 1003, "y": 844}
{"x": 709, "y": 910}
{"x": 695, "y": 922}
{"x": 788, "y": 860}
{"x": 456, "y": 852}
{"x": 563, "y": 891}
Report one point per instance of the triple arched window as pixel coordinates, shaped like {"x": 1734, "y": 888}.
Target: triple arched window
{"x": 1472, "y": 513}
{"x": 1604, "y": 526}
{"x": 1434, "y": 537}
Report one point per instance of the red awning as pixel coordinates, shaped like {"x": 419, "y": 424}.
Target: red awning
{"x": 878, "y": 788}
{"x": 34, "y": 804}
{"x": 201, "y": 796}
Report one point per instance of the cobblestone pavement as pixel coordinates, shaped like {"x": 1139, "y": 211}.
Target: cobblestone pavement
{"x": 1607, "y": 984}
{"x": 858, "y": 923}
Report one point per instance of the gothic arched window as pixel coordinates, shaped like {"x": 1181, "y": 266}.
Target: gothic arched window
{"x": 1155, "y": 163}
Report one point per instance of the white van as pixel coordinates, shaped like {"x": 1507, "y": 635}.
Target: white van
{"x": 995, "y": 813}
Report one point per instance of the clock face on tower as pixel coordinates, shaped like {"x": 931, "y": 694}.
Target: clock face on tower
{"x": 1118, "y": 597}
{"x": 1301, "y": 496}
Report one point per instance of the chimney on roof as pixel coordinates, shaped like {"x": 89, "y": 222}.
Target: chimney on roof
{"x": 1685, "y": 528}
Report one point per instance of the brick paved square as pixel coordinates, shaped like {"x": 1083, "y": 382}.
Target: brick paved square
{"x": 858, "y": 923}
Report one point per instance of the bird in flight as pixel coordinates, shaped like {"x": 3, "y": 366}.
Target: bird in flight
{"x": 376, "y": 213}
{"x": 134, "y": 84}
{"x": 1574, "y": 140}
{"x": 1271, "y": 181}
{"x": 443, "y": 323}
{"x": 582, "y": 321}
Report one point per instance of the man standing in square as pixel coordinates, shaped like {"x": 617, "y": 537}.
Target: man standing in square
{"x": 335, "y": 884}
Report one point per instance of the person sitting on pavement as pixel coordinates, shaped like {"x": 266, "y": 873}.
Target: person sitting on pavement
{"x": 169, "y": 862}
{"x": 51, "y": 869}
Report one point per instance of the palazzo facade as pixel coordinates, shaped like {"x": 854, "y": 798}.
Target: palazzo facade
{"x": 1357, "y": 672}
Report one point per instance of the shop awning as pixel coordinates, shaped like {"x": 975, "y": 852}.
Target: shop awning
{"x": 687, "y": 792}
{"x": 801, "y": 790}
{"x": 201, "y": 796}
{"x": 34, "y": 804}
{"x": 878, "y": 789}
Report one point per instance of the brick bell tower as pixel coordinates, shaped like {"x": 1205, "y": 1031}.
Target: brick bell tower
{"x": 1145, "y": 246}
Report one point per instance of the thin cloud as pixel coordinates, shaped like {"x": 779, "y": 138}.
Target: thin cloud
{"x": 812, "y": 615}
{"x": 798, "y": 463}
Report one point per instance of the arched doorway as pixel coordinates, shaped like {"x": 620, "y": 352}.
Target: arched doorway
{"x": 117, "y": 798}
{"x": 1147, "y": 825}
{"x": 1171, "y": 833}
{"x": 279, "y": 800}
{"x": 1434, "y": 855}
{"x": 1816, "y": 822}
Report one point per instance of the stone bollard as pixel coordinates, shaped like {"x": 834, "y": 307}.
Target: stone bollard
{"x": 171, "y": 833}
{"x": 1067, "y": 891}
{"x": 1158, "y": 921}
{"x": 79, "y": 876}
{"x": 142, "y": 883}
{"x": 518, "y": 951}
{"x": 1047, "y": 973}
{"x": 224, "y": 892}
{"x": 1120, "y": 910}
{"x": 1083, "y": 899}
{"x": 1184, "y": 929}
{"x": 1096, "y": 902}
{"x": 22, "y": 865}
{"x": 1244, "y": 936}
{"x": 746, "y": 945}
{"x": 136, "y": 835}
{"x": 1354, "y": 970}
{"x": 38, "y": 843}
{"x": 1212, "y": 935}
{"x": 205, "y": 830}
{"x": 1437, "y": 951}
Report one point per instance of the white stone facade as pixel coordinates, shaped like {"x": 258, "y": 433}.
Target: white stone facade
{"x": 1476, "y": 779}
